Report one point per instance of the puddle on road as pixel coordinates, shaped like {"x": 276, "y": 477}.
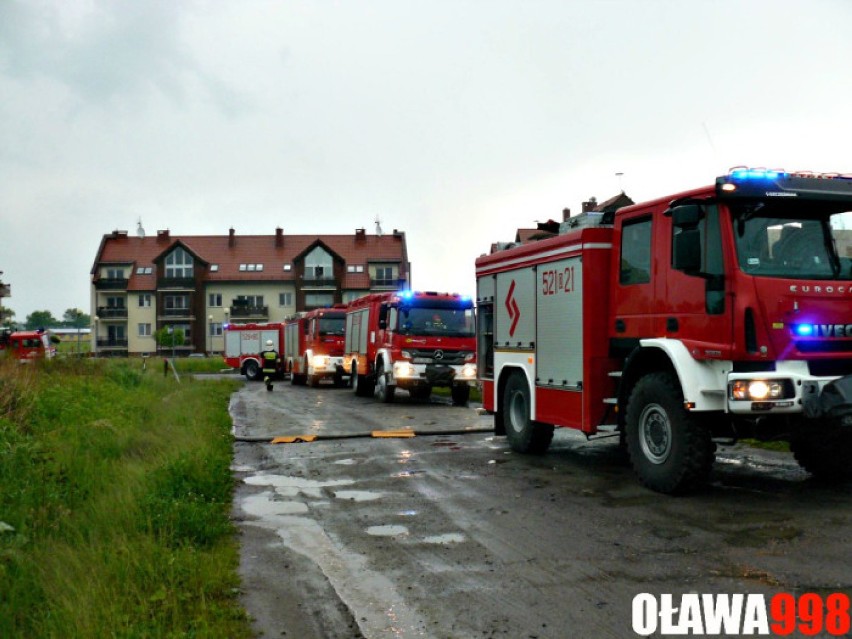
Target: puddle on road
{"x": 292, "y": 486}
{"x": 265, "y": 504}
{"x": 408, "y": 473}
{"x": 407, "y": 513}
{"x": 447, "y": 538}
{"x": 346, "y": 462}
{"x": 388, "y": 530}
{"x": 358, "y": 495}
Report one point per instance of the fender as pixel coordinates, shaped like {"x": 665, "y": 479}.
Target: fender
{"x": 309, "y": 362}
{"x": 704, "y": 383}
{"x": 525, "y": 362}
{"x": 384, "y": 354}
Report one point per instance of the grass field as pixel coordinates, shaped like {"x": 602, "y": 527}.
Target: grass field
{"x": 115, "y": 493}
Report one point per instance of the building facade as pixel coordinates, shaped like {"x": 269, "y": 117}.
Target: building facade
{"x": 198, "y": 284}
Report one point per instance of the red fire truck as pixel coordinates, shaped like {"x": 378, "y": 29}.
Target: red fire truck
{"x": 721, "y": 312}
{"x": 245, "y": 342}
{"x": 411, "y": 340}
{"x": 26, "y": 346}
{"x": 313, "y": 346}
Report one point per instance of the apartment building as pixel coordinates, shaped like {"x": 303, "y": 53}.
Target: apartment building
{"x": 198, "y": 283}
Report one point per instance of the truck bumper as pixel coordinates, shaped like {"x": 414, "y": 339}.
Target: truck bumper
{"x": 833, "y": 402}
{"x": 408, "y": 375}
{"x": 784, "y": 391}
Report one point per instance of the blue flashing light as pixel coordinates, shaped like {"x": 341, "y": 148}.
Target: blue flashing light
{"x": 804, "y": 330}
{"x": 755, "y": 174}
{"x": 406, "y": 295}
{"x": 466, "y": 298}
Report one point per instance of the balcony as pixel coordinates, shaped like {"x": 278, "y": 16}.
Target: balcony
{"x": 111, "y": 284}
{"x": 318, "y": 282}
{"x": 390, "y": 283}
{"x": 106, "y": 342}
{"x": 176, "y": 282}
{"x": 249, "y": 312}
{"x": 112, "y": 312}
{"x": 5, "y": 290}
{"x": 174, "y": 313}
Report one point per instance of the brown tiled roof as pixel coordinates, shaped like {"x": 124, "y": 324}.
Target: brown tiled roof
{"x": 119, "y": 248}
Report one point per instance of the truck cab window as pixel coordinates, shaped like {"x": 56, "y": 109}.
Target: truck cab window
{"x": 636, "y": 252}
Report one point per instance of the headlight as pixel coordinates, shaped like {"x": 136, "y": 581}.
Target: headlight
{"x": 468, "y": 371}
{"x": 320, "y": 361}
{"x": 405, "y": 355}
{"x": 403, "y": 369}
{"x": 757, "y": 389}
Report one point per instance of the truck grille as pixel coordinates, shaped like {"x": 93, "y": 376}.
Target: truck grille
{"x": 437, "y": 356}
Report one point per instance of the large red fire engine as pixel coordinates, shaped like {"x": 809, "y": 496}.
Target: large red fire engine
{"x": 720, "y": 312}
{"x": 26, "y": 346}
{"x": 411, "y": 340}
{"x": 245, "y": 342}
{"x": 313, "y": 346}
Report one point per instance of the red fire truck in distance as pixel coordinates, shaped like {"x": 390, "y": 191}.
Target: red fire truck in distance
{"x": 411, "y": 340}
{"x": 720, "y": 312}
{"x": 313, "y": 346}
{"x": 245, "y": 342}
{"x": 26, "y": 346}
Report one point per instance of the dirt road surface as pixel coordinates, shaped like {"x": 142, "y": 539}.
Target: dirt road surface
{"x": 454, "y": 535}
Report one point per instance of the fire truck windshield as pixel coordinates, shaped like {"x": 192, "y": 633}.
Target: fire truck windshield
{"x": 332, "y": 326}
{"x": 793, "y": 243}
{"x": 443, "y": 321}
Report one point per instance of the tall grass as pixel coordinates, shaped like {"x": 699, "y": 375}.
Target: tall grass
{"x": 115, "y": 493}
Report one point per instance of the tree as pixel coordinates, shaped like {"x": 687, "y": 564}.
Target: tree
{"x": 40, "y": 319}
{"x": 169, "y": 339}
{"x": 75, "y": 318}
{"x": 7, "y": 317}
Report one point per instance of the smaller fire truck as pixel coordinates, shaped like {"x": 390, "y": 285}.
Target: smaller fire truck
{"x": 411, "y": 340}
{"x": 26, "y": 346}
{"x": 245, "y": 342}
{"x": 689, "y": 320}
{"x": 313, "y": 346}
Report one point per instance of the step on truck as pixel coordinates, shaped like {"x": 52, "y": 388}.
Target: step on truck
{"x": 411, "y": 340}
{"x": 694, "y": 319}
{"x": 313, "y": 346}
{"x": 245, "y": 342}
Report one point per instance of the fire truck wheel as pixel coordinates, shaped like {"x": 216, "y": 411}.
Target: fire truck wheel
{"x": 671, "y": 451}
{"x": 313, "y": 381}
{"x": 460, "y": 395}
{"x": 825, "y": 455}
{"x": 361, "y": 384}
{"x": 524, "y": 434}
{"x": 252, "y": 370}
{"x": 384, "y": 391}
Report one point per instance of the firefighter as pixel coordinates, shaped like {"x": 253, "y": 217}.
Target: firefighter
{"x": 271, "y": 363}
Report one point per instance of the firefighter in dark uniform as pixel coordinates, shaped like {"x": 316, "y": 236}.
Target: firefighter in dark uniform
{"x": 271, "y": 363}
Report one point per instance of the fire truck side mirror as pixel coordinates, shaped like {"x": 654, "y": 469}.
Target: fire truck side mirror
{"x": 383, "y": 316}
{"x": 687, "y": 251}
{"x": 687, "y": 215}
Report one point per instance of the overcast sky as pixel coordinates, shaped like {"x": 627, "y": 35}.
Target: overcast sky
{"x": 454, "y": 121}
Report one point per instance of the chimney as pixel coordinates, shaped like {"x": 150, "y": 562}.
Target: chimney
{"x": 279, "y": 237}
{"x": 163, "y": 236}
{"x": 232, "y": 239}
{"x": 360, "y": 235}
{"x": 590, "y": 205}
{"x": 566, "y": 213}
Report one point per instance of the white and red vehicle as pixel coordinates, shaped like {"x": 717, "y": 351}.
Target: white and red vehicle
{"x": 245, "y": 342}
{"x": 313, "y": 346}
{"x": 26, "y": 346}
{"x": 720, "y": 312}
{"x": 411, "y": 340}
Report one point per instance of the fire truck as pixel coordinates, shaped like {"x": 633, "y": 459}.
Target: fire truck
{"x": 694, "y": 319}
{"x": 313, "y": 346}
{"x": 26, "y": 346}
{"x": 411, "y": 340}
{"x": 245, "y": 342}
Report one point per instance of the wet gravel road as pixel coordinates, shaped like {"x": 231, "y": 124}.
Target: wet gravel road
{"x": 453, "y": 535}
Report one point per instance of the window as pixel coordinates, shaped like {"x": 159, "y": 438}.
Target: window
{"x": 179, "y": 263}
{"x": 288, "y": 267}
{"x": 144, "y": 270}
{"x": 384, "y": 275}
{"x": 636, "y": 252}
{"x": 144, "y": 330}
{"x": 318, "y": 265}
{"x": 285, "y": 299}
{"x": 214, "y": 300}
{"x": 115, "y": 273}
{"x": 115, "y": 302}
{"x": 215, "y": 329}
{"x": 172, "y": 302}
{"x": 350, "y": 269}
{"x": 359, "y": 268}
{"x": 255, "y": 301}
{"x": 319, "y": 300}
{"x": 350, "y": 296}
{"x": 242, "y": 267}
{"x": 144, "y": 300}
{"x": 214, "y": 268}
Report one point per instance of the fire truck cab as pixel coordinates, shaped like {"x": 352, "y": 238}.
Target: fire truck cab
{"x": 411, "y": 340}
{"x": 26, "y": 346}
{"x": 313, "y": 346}
{"x": 709, "y": 315}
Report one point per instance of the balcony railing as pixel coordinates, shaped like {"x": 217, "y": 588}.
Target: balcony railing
{"x": 385, "y": 282}
{"x": 111, "y": 284}
{"x": 176, "y": 282}
{"x": 243, "y": 312}
{"x": 319, "y": 282}
{"x": 111, "y": 343}
{"x": 112, "y": 312}
{"x": 185, "y": 313}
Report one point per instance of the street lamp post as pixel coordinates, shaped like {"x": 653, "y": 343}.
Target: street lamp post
{"x": 210, "y": 333}
{"x": 95, "y": 339}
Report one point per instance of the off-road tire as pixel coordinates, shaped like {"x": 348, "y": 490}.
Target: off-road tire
{"x": 252, "y": 371}
{"x": 362, "y": 384}
{"x": 670, "y": 449}
{"x": 524, "y": 434}
{"x": 460, "y": 394}
{"x": 384, "y": 391}
{"x": 824, "y": 453}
